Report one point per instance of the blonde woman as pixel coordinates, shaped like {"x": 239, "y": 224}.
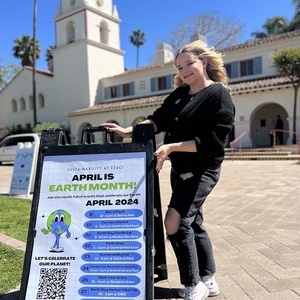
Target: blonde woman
{"x": 196, "y": 118}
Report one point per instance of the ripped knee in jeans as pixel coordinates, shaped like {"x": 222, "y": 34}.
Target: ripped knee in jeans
{"x": 185, "y": 176}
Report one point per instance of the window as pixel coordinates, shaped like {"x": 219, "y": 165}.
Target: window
{"x": 104, "y": 33}
{"x": 246, "y": 67}
{"x": 125, "y": 88}
{"x": 41, "y": 101}
{"x": 120, "y": 90}
{"x": 161, "y": 83}
{"x": 228, "y": 69}
{"x": 23, "y": 104}
{"x": 14, "y": 106}
{"x": 113, "y": 92}
{"x": 70, "y": 32}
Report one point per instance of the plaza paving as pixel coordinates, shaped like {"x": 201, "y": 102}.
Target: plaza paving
{"x": 253, "y": 218}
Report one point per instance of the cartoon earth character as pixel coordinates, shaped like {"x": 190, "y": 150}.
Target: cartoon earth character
{"x": 58, "y": 223}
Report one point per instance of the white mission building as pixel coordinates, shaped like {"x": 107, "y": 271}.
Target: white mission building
{"x": 89, "y": 85}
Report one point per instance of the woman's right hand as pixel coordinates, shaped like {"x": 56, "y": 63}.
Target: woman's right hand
{"x": 118, "y": 130}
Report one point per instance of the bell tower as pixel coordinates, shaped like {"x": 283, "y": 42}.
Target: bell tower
{"x": 87, "y": 49}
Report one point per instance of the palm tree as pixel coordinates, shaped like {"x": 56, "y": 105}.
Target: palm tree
{"x": 287, "y": 63}
{"x": 295, "y": 23}
{"x": 49, "y": 57}
{"x": 24, "y": 48}
{"x": 279, "y": 24}
{"x": 137, "y": 39}
{"x": 273, "y": 26}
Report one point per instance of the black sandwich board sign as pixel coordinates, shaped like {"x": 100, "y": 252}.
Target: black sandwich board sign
{"x": 95, "y": 230}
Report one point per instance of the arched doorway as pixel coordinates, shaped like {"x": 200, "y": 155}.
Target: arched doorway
{"x": 261, "y": 118}
{"x": 80, "y": 129}
{"x": 117, "y": 139}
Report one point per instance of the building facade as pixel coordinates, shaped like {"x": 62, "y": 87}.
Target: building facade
{"x": 88, "y": 85}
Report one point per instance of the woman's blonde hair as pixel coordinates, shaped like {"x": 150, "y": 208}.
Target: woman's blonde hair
{"x": 215, "y": 65}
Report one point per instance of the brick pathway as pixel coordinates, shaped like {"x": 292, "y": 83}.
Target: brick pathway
{"x": 253, "y": 217}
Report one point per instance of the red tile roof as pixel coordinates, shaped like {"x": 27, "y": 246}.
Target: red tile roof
{"x": 44, "y": 72}
{"x": 267, "y": 40}
{"x": 158, "y": 100}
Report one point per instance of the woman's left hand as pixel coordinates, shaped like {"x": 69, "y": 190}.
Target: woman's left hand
{"x": 161, "y": 154}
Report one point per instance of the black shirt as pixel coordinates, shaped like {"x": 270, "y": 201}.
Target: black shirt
{"x": 206, "y": 117}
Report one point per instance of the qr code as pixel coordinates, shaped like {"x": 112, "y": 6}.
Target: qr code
{"x": 52, "y": 284}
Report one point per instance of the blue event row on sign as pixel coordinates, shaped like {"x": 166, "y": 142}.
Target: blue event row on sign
{"x": 113, "y": 213}
{"x": 110, "y": 279}
{"x": 112, "y": 246}
{"x": 110, "y": 268}
{"x": 112, "y": 235}
{"x": 113, "y": 224}
{"x": 111, "y": 256}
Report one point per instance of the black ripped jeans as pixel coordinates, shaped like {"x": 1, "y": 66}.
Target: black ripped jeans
{"x": 191, "y": 243}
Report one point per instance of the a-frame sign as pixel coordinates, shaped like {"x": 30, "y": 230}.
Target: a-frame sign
{"x": 95, "y": 230}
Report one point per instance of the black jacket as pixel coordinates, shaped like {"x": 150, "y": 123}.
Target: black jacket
{"x": 207, "y": 118}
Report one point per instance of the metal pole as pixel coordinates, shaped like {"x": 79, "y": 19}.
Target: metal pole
{"x": 34, "y": 69}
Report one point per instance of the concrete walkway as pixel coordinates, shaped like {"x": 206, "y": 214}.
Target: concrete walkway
{"x": 253, "y": 217}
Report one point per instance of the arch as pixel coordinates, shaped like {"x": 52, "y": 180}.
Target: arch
{"x": 117, "y": 139}
{"x": 80, "y": 129}
{"x": 14, "y": 105}
{"x": 70, "y": 28}
{"x": 41, "y": 100}
{"x": 138, "y": 120}
{"x": 22, "y": 104}
{"x": 104, "y": 37}
{"x": 260, "y": 120}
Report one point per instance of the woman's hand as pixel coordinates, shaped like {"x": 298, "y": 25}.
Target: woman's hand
{"x": 118, "y": 130}
{"x": 161, "y": 154}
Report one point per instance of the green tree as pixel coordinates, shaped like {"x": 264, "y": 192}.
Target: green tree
{"x": 295, "y": 23}
{"x": 279, "y": 24}
{"x": 23, "y": 49}
{"x": 49, "y": 57}
{"x": 273, "y": 26}
{"x": 7, "y": 73}
{"x": 49, "y": 52}
{"x": 287, "y": 64}
{"x": 137, "y": 39}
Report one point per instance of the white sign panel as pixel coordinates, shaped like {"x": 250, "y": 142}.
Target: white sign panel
{"x": 91, "y": 218}
{"x": 24, "y": 168}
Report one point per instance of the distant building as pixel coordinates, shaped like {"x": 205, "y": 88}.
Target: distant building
{"x": 89, "y": 85}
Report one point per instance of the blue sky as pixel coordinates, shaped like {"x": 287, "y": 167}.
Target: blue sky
{"x": 157, "y": 18}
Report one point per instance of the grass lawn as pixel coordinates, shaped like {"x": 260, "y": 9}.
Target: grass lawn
{"x": 11, "y": 267}
{"x": 14, "y": 216}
